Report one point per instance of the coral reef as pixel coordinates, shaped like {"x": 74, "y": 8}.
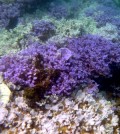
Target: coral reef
{"x": 111, "y": 83}
{"x": 62, "y": 9}
{"x": 80, "y": 113}
{"x": 105, "y": 14}
{"x": 65, "y": 28}
{"x": 43, "y": 29}
{"x": 58, "y": 11}
{"x": 27, "y": 68}
{"x": 79, "y": 61}
{"x": 59, "y": 67}
{"x": 10, "y": 41}
{"x": 9, "y": 14}
{"x": 108, "y": 31}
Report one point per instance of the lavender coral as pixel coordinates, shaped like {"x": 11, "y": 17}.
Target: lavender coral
{"x": 106, "y": 14}
{"x": 58, "y": 11}
{"x": 9, "y": 14}
{"x": 61, "y": 69}
{"x": 43, "y": 29}
{"x": 26, "y": 68}
{"x": 91, "y": 56}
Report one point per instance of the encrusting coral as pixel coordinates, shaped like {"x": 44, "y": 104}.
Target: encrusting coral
{"x": 79, "y": 113}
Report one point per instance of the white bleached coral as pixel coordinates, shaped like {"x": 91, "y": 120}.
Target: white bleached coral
{"x": 79, "y": 113}
{"x": 5, "y": 93}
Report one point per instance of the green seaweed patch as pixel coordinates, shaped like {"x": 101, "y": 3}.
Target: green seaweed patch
{"x": 75, "y": 27}
{"x": 9, "y": 40}
{"x": 108, "y": 31}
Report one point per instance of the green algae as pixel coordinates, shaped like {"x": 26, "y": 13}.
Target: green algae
{"x": 9, "y": 39}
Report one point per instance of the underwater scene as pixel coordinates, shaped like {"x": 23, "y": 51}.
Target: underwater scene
{"x": 59, "y": 66}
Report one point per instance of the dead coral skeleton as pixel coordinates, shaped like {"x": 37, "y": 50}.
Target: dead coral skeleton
{"x": 78, "y": 113}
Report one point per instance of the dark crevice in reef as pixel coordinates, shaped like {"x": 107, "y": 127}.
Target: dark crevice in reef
{"x": 111, "y": 84}
{"x": 12, "y": 23}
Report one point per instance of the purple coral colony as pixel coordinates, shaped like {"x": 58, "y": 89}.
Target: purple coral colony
{"x": 64, "y": 75}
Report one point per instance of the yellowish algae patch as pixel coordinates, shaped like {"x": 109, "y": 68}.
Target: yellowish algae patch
{"x": 5, "y": 94}
{"x": 9, "y": 39}
{"x": 72, "y": 27}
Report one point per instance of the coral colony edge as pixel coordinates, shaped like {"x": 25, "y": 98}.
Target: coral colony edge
{"x": 59, "y": 67}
